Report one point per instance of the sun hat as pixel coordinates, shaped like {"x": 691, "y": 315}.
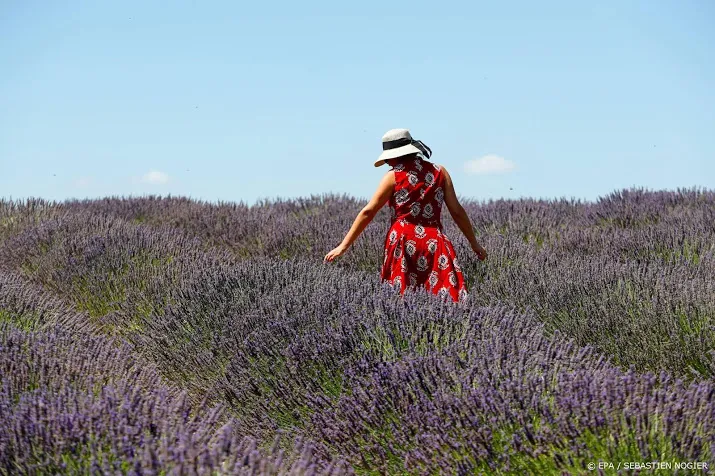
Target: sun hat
{"x": 399, "y": 142}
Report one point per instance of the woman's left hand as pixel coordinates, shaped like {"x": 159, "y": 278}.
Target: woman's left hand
{"x": 339, "y": 251}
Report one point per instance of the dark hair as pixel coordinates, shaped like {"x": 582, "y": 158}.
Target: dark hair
{"x": 404, "y": 158}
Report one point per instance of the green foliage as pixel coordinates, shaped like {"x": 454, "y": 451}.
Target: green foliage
{"x": 28, "y": 320}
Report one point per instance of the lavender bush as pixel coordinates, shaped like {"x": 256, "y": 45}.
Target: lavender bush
{"x": 30, "y": 307}
{"x": 631, "y": 274}
{"x": 589, "y": 334}
{"x": 79, "y": 404}
{"x": 515, "y": 402}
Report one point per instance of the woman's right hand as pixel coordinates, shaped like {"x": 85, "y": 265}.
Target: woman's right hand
{"x": 480, "y": 251}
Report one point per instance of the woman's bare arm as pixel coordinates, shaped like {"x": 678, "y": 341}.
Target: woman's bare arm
{"x": 378, "y": 200}
{"x": 457, "y": 211}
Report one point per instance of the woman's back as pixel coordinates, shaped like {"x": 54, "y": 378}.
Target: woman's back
{"x": 419, "y": 193}
{"x": 417, "y": 252}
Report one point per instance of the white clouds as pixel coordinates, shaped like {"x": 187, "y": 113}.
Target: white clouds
{"x": 155, "y": 177}
{"x": 489, "y": 164}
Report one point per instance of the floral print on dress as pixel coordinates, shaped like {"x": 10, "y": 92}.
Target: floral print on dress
{"x": 443, "y": 262}
{"x": 417, "y": 252}
{"x": 439, "y": 195}
{"x": 432, "y": 245}
{"x": 433, "y": 279}
{"x": 421, "y": 263}
{"x": 427, "y": 211}
{"x": 402, "y": 197}
{"x": 412, "y": 177}
{"x": 420, "y": 231}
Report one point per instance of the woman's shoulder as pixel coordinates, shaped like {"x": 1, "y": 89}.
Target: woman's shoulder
{"x": 441, "y": 168}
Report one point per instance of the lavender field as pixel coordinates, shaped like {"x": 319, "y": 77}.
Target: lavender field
{"x": 170, "y": 336}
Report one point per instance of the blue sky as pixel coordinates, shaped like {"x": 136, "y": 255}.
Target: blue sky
{"x": 234, "y": 101}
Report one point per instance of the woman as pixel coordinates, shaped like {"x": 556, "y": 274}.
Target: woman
{"x": 417, "y": 252}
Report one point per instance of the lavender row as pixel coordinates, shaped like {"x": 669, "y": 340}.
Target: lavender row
{"x": 289, "y": 226}
{"x": 515, "y": 411}
{"x": 77, "y": 401}
{"x": 101, "y": 265}
{"x": 29, "y": 306}
{"x": 640, "y": 290}
{"x": 412, "y": 383}
{"x": 291, "y": 345}
{"x": 74, "y": 404}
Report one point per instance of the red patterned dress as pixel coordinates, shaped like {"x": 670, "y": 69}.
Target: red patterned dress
{"x": 417, "y": 252}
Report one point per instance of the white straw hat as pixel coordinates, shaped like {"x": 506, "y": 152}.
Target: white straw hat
{"x": 397, "y": 143}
